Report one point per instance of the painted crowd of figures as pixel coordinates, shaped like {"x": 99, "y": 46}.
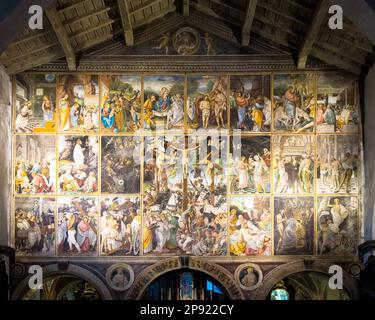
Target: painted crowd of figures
{"x": 83, "y": 103}
{"x": 205, "y": 165}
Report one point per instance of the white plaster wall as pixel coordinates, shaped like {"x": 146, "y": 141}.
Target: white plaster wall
{"x": 5, "y": 156}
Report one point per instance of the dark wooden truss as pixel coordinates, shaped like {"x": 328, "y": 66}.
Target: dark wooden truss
{"x": 72, "y": 27}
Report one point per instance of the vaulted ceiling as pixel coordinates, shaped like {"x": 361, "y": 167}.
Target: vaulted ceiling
{"x": 300, "y": 27}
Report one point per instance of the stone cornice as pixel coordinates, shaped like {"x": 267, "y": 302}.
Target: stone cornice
{"x": 194, "y": 63}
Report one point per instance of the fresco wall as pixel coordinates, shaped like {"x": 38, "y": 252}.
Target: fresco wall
{"x": 180, "y": 164}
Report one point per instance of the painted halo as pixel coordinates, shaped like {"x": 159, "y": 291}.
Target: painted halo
{"x": 120, "y": 276}
{"x": 249, "y": 276}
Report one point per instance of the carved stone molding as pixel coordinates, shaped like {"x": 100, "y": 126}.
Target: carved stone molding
{"x": 248, "y": 63}
{"x": 124, "y": 274}
{"x": 83, "y": 272}
{"x": 255, "y": 270}
{"x": 286, "y": 269}
{"x": 149, "y": 274}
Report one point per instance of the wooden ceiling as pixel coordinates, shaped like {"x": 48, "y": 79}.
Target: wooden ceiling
{"x": 73, "y": 26}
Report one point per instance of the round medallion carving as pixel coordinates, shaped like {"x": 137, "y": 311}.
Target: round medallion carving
{"x": 186, "y": 41}
{"x": 17, "y": 270}
{"x": 120, "y": 276}
{"x": 249, "y": 276}
{"x": 355, "y": 269}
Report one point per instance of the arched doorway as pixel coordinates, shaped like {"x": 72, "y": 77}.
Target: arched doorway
{"x": 306, "y": 285}
{"x": 185, "y": 284}
{"x": 86, "y": 281}
{"x": 63, "y": 287}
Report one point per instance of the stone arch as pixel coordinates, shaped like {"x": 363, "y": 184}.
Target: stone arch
{"x": 71, "y": 270}
{"x": 149, "y": 274}
{"x": 284, "y": 270}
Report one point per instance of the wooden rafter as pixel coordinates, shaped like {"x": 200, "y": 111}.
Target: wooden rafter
{"x": 126, "y": 22}
{"x": 186, "y": 8}
{"x": 71, "y": 6}
{"x": 340, "y": 35}
{"x": 155, "y": 16}
{"x": 87, "y": 16}
{"x": 36, "y": 50}
{"x": 327, "y": 46}
{"x": 318, "y": 18}
{"x": 209, "y": 12}
{"x": 248, "y": 22}
{"x": 144, "y": 5}
{"x": 34, "y": 35}
{"x": 96, "y": 27}
{"x": 97, "y": 41}
{"x": 58, "y": 27}
{"x": 36, "y": 61}
{"x": 322, "y": 55}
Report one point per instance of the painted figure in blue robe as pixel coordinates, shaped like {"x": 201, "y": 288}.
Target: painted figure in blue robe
{"x": 290, "y": 101}
{"x": 107, "y": 116}
{"x": 330, "y": 116}
{"x": 75, "y": 113}
{"x": 164, "y": 102}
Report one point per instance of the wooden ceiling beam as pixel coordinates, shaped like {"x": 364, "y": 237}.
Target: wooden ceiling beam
{"x": 154, "y": 30}
{"x": 316, "y": 23}
{"x": 360, "y": 59}
{"x": 205, "y": 23}
{"x": 338, "y": 34}
{"x": 322, "y": 55}
{"x": 101, "y": 25}
{"x": 156, "y": 15}
{"x": 186, "y": 8}
{"x": 75, "y": 20}
{"x": 53, "y": 17}
{"x": 71, "y": 6}
{"x": 126, "y": 22}
{"x": 329, "y": 49}
{"x": 209, "y": 12}
{"x": 36, "y": 34}
{"x": 328, "y": 58}
{"x": 9, "y": 60}
{"x": 248, "y": 22}
{"x": 34, "y": 62}
{"x": 97, "y": 41}
{"x": 144, "y": 5}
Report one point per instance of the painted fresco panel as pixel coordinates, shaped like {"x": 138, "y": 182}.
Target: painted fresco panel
{"x": 293, "y": 164}
{"x": 78, "y": 103}
{"x": 337, "y": 103}
{"x": 120, "y": 226}
{"x": 294, "y": 225}
{"x": 121, "y": 104}
{"x": 120, "y": 165}
{"x": 77, "y": 231}
{"x": 35, "y": 167}
{"x": 207, "y": 102}
{"x": 250, "y": 226}
{"x": 78, "y": 164}
{"x": 35, "y": 104}
{"x": 163, "y": 193}
{"x": 337, "y": 225}
{"x": 250, "y": 164}
{"x": 163, "y": 108}
{"x": 250, "y": 103}
{"x": 338, "y": 163}
{"x": 35, "y": 226}
{"x": 294, "y": 102}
